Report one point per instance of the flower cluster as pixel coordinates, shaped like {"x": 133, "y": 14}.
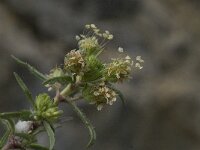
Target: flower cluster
{"x": 46, "y": 109}
{"x": 106, "y": 35}
{"x": 85, "y": 63}
{"x": 100, "y": 95}
{"x": 88, "y": 43}
{"x": 119, "y": 69}
{"x": 74, "y": 61}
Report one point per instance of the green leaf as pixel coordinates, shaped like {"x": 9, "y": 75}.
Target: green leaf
{"x": 25, "y": 136}
{"x": 10, "y": 127}
{"x": 50, "y": 133}
{"x": 24, "y": 89}
{"x": 31, "y": 69}
{"x": 24, "y": 114}
{"x": 4, "y": 139}
{"x": 62, "y": 79}
{"x": 119, "y": 93}
{"x": 37, "y": 147}
{"x": 86, "y": 122}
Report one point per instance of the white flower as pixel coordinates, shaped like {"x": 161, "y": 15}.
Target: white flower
{"x": 77, "y": 37}
{"x": 110, "y": 37}
{"x": 87, "y": 26}
{"x": 137, "y": 65}
{"x": 120, "y": 49}
{"x": 138, "y": 58}
{"x": 99, "y": 107}
{"x": 23, "y": 126}
{"x": 93, "y": 26}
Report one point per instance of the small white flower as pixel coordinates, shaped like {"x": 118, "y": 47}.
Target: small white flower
{"x": 50, "y": 89}
{"x": 96, "y": 93}
{"x": 127, "y": 57}
{"x": 99, "y": 107}
{"x": 77, "y": 37}
{"x": 138, "y": 58}
{"x": 120, "y": 49}
{"x": 110, "y": 37}
{"x": 137, "y": 65}
{"x": 107, "y": 32}
{"x": 23, "y": 126}
{"x": 87, "y": 26}
{"x": 93, "y": 26}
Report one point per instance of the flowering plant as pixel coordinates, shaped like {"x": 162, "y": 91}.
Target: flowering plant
{"x": 83, "y": 77}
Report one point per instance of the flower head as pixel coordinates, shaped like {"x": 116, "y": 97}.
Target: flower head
{"x": 93, "y": 41}
{"x": 88, "y": 43}
{"x": 119, "y": 69}
{"x": 100, "y": 95}
{"x": 74, "y": 61}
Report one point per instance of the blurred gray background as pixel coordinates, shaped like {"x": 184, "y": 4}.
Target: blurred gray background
{"x": 163, "y": 100}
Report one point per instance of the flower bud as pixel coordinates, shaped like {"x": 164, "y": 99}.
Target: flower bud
{"x": 56, "y": 72}
{"x": 46, "y": 109}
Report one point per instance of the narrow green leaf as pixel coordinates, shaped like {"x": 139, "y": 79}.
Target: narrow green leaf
{"x": 37, "y": 147}
{"x": 9, "y": 130}
{"x": 50, "y": 133}
{"x": 86, "y": 122}
{"x": 31, "y": 69}
{"x": 38, "y": 131}
{"x": 24, "y": 89}
{"x": 63, "y": 80}
{"x": 25, "y": 136}
{"x": 10, "y": 125}
{"x": 4, "y": 139}
{"x": 24, "y": 114}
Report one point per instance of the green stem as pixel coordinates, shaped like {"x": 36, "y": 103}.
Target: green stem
{"x": 65, "y": 93}
{"x": 85, "y": 121}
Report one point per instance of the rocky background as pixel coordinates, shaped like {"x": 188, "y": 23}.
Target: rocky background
{"x": 163, "y": 100}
